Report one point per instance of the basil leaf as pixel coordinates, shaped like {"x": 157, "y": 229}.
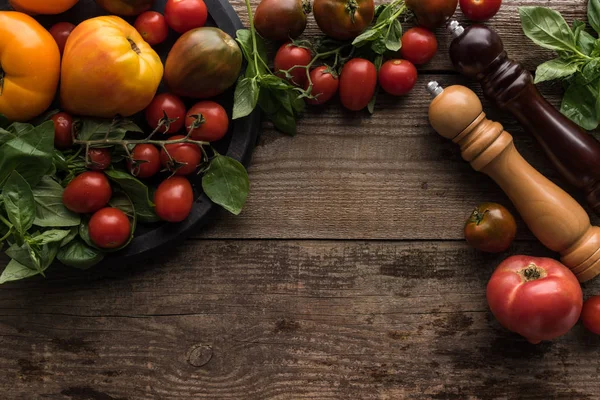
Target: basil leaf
{"x": 79, "y": 255}
{"x": 594, "y": 14}
{"x": 84, "y": 233}
{"x": 4, "y": 122}
{"x": 51, "y": 236}
{"x": 590, "y": 72}
{"x": 285, "y": 121}
{"x": 379, "y": 46}
{"x": 579, "y": 105}
{"x": 268, "y": 102}
{"x": 25, "y": 255}
{"x": 584, "y": 40}
{"x": 226, "y": 183}
{"x": 274, "y": 82}
{"x": 245, "y": 97}
{"x": 19, "y": 129}
{"x": 137, "y": 191}
{"x": 15, "y": 271}
{"x": 547, "y": 28}
{"x": 73, "y": 233}
{"x": 369, "y": 35}
{"x": 393, "y": 40}
{"x": 18, "y": 202}
{"x": 554, "y": 69}
{"x": 47, "y": 254}
{"x": 49, "y": 208}
{"x": 97, "y": 129}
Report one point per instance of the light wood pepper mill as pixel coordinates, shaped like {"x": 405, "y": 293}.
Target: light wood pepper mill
{"x": 478, "y": 52}
{"x": 554, "y": 217}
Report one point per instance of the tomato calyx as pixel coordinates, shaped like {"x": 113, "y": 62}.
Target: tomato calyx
{"x": 531, "y": 273}
{"x": 306, "y": 6}
{"x": 351, "y": 8}
{"x": 199, "y": 120}
{"x": 477, "y": 217}
{"x": 134, "y": 46}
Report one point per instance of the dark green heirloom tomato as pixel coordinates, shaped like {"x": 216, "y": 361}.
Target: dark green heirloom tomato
{"x": 281, "y": 20}
{"x": 491, "y": 228}
{"x": 432, "y": 14}
{"x": 343, "y": 19}
{"x": 126, "y": 8}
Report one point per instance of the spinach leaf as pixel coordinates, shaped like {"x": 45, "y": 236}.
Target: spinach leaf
{"x": 137, "y": 191}
{"x": 554, "y": 69}
{"x": 18, "y": 202}
{"x": 226, "y": 183}
{"x": 579, "y": 105}
{"x": 594, "y": 14}
{"x": 79, "y": 255}
{"x": 15, "y": 271}
{"x": 49, "y": 208}
{"x": 547, "y": 28}
{"x": 246, "y": 97}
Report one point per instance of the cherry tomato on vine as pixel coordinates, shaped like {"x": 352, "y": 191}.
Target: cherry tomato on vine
{"x": 358, "y": 82}
{"x": 148, "y": 161}
{"x": 216, "y": 121}
{"x": 61, "y": 32}
{"x": 99, "y": 159}
{"x": 185, "y": 15}
{"x": 174, "y": 199}
{"x": 109, "y": 228}
{"x": 480, "y": 10}
{"x": 325, "y": 85}
{"x": 152, "y": 26}
{"x": 490, "y": 228}
{"x": 63, "y": 126}
{"x": 289, "y": 56}
{"x": 591, "y": 314}
{"x": 397, "y": 77}
{"x": 419, "y": 45}
{"x": 188, "y": 154}
{"x": 87, "y": 193}
{"x": 170, "y": 104}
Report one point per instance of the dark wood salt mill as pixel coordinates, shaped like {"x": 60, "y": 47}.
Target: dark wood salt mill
{"x": 478, "y": 52}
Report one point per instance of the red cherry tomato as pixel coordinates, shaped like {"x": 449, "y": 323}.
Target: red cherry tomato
{"x": 99, "y": 159}
{"x": 185, "y": 15}
{"x": 61, "y": 32}
{"x": 480, "y": 10}
{"x": 109, "y": 228}
{"x": 289, "y": 56}
{"x": 591, "y": 314}
{"x": 63, "y": 126}
{"x": 538, "y": 298}
{"x": 325, "y": 85}
{"x": 152, "y": 26}
{"x": 419, "y": 45}
{"x": 358, "y": 82}
{"x": 216, "y": 122}
{"x": 181, "y": 153}
{"x": 170, "y": 104}
{"x": 148, "y": 158}
{"x": 87, "y": 193}
{"x": 398, "y": 77}
{"x": 174, "y": 199}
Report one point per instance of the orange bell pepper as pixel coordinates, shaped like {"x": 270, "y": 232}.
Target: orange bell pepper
{"x": 34, "y": 7}
{"x": 29, "y": 67}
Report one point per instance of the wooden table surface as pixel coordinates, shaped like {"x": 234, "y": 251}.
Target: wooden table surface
{"x": 346, "y": 277}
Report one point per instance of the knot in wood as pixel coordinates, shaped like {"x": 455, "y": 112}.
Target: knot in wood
{"x": 200, "y": 355}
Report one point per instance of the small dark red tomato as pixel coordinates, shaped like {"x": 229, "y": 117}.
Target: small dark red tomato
{"x": 87, "y": 193}
{"x": 152, "y": 26}
{"x": 185, "y": 15}
{"x": 181, "y": 153}
{"x": 216, "y": 121}
{"x": 480, "y": 10}
{"x": 174, "y": 199}
{"x": 170, "y": 104}
{"x": 61, "y": 32}
{"x": 358, "y": 82}
{"x": 419, "y": 45}
{"x": 63, "y": 126}
{"x": 99, "y": 159}
{"x": 109, "y": 228}
{"x": 398, "y": 77}
{"x": 490, "y": 228}
{"x": 325, "y": 85}
{"x": 591, "y": 314}
{"x": 289, "y": 56}
{"x": 148, "y": 161}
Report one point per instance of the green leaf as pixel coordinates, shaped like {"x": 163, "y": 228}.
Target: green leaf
{"x": 79, "y": 255}
{"x": 547, "y": 28}
{"x": 554, "y": 69}
{"x": 49, "y": 208}
{"x": 18, "y": 202}
{"x": 393, "y": 40}
{"x": 19, "y": 129}
{"x": 15, "y": 271}
{"x": 590, "y": 72}
{"x": 244, "y": 38}
{"x": 594, "y": 14}
{"x": 97, "y": 129}
{"x": 383, "y": 12}
{"x": 226, "y": 183}
{"x": 73, "y": 233}
{"x": 84, "y": 233}
{"x": 51, "y": 236}
{"x": 371, "y": 106}
{"x": 245, "y": 97}
{"x": 25, "y": 255}
{"x": 285, "y": 121}
{"x": 137, "y": 191}
{"x": 369, "y": 35}
{"x": 4, "y": 122}
{"x": 275, "y": 82}
{"x": 584, "y": 40}
{"x": 579, "y": 105}
{"x": 379, "y": 46}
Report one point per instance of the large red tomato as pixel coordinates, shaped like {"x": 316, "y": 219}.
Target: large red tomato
{"x": 538, "y": 298}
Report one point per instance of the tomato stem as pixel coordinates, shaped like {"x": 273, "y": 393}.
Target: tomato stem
{"x": 531, "y": 273}
{"x": 478, "y": 217}
{"x": 351, "y": 8}
{"x": 3, "y": 238}
{"x": 253, "y": 33}
{"x": 5, "y": 222}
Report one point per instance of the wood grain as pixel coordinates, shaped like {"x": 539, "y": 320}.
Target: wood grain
{"x": 283, "y": 320}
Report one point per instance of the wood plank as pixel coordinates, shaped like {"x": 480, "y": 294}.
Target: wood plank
{"x": 389, "y": 176}
{"x": 283, "y": 320}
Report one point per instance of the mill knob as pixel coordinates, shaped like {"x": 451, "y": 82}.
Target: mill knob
{"x": 552, "y": 215}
